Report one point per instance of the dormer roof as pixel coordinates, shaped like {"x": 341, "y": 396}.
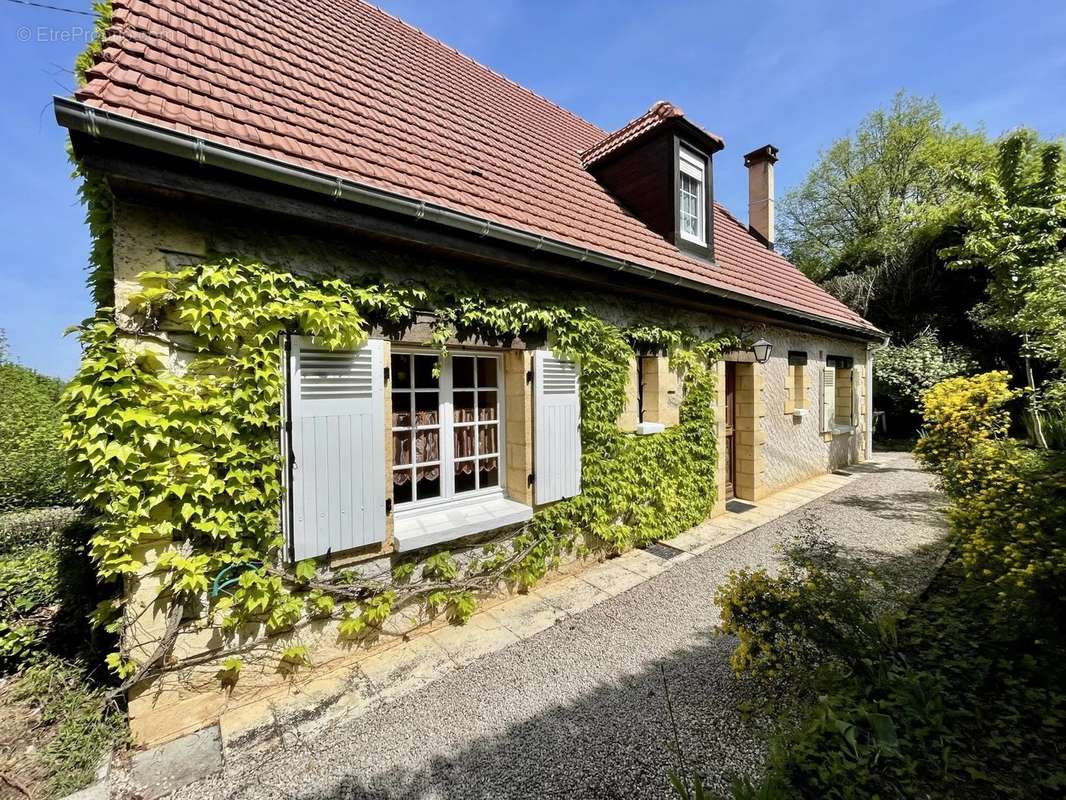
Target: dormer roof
{"x": 660, "y": 115}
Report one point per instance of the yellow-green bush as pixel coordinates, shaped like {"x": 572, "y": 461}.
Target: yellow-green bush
{"x": 819, "y": 610}
{"x": 958, "y": 415}
{"x": 1008, "y": 513}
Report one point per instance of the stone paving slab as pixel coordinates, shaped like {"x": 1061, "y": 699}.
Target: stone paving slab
{"x": 526, "y": 615}
{"x": 174, "y": 765}
{"x": 611, "y": 577}
{"x": 481, "y": 635}
{"x": 404, "y": 668}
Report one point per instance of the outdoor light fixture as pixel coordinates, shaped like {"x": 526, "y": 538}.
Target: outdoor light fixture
{"x": 762, "y": 349}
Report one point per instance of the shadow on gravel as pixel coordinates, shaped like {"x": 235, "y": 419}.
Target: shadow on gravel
{"x": 925, "y": 507}
{"x": 615, "y": 742}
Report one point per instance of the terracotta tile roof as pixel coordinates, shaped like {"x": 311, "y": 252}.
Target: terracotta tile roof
{"x": 343, "y": 87}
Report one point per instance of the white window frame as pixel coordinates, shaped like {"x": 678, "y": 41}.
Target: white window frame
{"x": 693, "y": 166}
{"x": 446, "y": 427}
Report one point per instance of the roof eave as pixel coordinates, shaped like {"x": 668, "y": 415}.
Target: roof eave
{"x": 100, "y": 123}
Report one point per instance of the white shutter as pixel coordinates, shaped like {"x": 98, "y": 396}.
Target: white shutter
{"x": 856, "y": 392}
{"x": 556, "y": 427}
{"x": 829, "y": 398}
{"x": 338, "y": 447}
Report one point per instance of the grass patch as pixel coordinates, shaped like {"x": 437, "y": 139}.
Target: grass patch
{"x": 58, "y": 724}
{"x": 75, "y": 728}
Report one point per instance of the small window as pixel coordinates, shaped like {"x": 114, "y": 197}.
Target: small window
{"x": 693, "y": 204}
{"x": 644, "y": 367}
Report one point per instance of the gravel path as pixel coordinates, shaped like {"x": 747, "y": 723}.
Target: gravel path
{"x": 578, "y": 710}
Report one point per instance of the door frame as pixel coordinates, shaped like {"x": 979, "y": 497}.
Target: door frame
{"x": 729, "y": 390}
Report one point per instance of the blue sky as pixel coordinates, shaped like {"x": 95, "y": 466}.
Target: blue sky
{"x": 794, "y": 74}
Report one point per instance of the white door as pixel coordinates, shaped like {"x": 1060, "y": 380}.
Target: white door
{"x": 338, "y": 447}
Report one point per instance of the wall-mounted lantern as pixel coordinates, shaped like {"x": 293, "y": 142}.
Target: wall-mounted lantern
{"x": 762, "y": 350}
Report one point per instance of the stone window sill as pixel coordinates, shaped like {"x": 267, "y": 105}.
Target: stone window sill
{"x": 841, "y": 430}
{"x": 418, "y": 528}
{"x": 646, "y": 428}
{"x": 798, "y": 413}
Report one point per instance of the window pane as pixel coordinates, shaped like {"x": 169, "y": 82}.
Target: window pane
{"x": 465, "y": 476}
{"x": 424, "y": 378}
{"x": 489, "y": 472}
{"x": 486, "y": 405}
{"x": 486, "y": 439}
{"x": 427, "y": 408}
{"x": 691, "y": 213}
{"x": 427, "y": 446}
{"x": 464, "y": 406}
{"x": 463, "y": 372}
{"x": 401, "y": 448}
{"x": 401, "y": 486}
{"x": 401, "y": 371}
{"x": 401, "y": 410}
{"x": 486, "y": 372}
{"x": 428, "y": 482}
{"x": 464, "y": 442}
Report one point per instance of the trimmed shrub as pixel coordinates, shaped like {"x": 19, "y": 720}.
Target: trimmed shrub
{"x": 31, "y": 461}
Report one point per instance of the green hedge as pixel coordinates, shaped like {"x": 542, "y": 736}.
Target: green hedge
{"x": 31, "y": 459}
{"x": 47, "y": 586}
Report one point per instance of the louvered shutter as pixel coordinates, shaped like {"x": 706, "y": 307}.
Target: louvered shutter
{"x": 829, "y": 398}
{"x": 856, "y": 395}
{"x": 338, "y": 447}
{"x": 557, "y": 428}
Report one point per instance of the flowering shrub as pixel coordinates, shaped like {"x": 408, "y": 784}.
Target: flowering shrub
{"x": 960, "y": 414}
{"x": 1009, "y": 509}
{"x": 819, "y": 610}
{"x": 904, "y": 372}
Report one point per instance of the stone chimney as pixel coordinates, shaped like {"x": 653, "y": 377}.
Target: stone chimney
{"x": 760, "y": 163}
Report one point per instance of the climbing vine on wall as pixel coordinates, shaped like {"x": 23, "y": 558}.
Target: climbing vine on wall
{"x": 172, "y": 424}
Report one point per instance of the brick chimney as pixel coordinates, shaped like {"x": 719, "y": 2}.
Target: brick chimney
{"x": 760, "y": 163}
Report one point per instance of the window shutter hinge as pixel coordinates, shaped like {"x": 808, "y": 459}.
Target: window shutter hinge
{"x": 288, "y": 426}
{"x": 531, "y": 479}
{"x": 529, "y": 377}
{"x": 388, "y": 502}
{"x": 386, "y": 374}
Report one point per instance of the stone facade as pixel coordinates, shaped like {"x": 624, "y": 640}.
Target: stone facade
{"x": 776, "y": 447}
{"x": 796, "y": 448}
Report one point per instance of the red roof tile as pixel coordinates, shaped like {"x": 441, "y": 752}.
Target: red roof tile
{"x": 343, "y": 87}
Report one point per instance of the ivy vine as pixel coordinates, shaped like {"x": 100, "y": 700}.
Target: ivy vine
{"x": 179, "y": 442}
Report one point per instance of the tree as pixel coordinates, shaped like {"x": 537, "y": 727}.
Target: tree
{"x": 1013, "y": 215}
{"x": 869, "y": 219}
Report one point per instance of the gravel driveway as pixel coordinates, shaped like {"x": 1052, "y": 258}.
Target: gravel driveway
{"x": 578, "y": 710}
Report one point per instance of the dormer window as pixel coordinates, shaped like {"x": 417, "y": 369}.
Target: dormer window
{"x": 693, "y": 206}
{"x": 659, "y": 167}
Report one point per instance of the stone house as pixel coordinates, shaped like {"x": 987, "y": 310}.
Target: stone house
{"x": 340, "y": 141}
